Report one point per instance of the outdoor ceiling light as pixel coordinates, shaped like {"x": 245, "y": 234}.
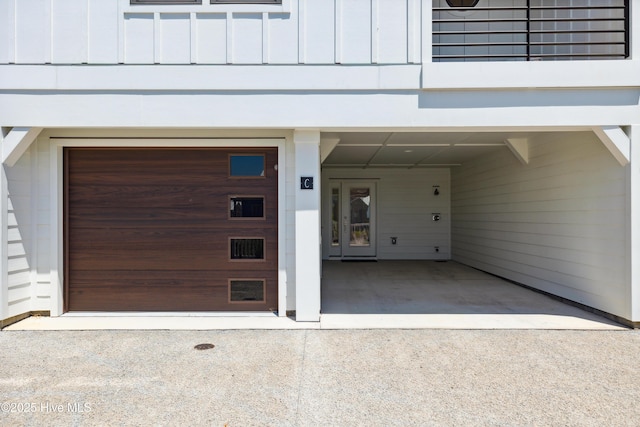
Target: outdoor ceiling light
{"x": 462, "y": 3}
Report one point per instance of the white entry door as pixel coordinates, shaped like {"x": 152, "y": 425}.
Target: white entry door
{"x": 358, "y": 216}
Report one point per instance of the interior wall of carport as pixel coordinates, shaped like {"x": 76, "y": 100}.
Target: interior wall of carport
{"x": 27, "y": 267}
{"x": 405, "y": 204}
{"x": 558, "y": 223}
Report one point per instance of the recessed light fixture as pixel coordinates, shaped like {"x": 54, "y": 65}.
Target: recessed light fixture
{"x": 408, "y": 151}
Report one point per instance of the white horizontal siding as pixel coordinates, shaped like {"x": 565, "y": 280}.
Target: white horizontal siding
{"x": 405, "y": 204}
{"x": 27, "y": 277}
{"x": 112, "y": 31}
{"x": 557, "y": 224}
{"x": 18, "y": 284}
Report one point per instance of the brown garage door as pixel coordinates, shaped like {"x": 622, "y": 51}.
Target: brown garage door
{"x": 171, "y": 229}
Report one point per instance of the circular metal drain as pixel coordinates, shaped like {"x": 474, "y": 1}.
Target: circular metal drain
{"x": 205, "y": 346}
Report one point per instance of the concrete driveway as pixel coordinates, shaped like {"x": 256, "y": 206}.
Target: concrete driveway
{"x": 320, "y": 378}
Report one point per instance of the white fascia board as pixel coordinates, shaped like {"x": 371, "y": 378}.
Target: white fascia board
{"x": 209, "y": 77}
{"x": 16, "y": 143}
{"x": 520, "y": 148}
{"x": 532, "y": 74}
{"x": 616, "y": 141}
{"x": 236, "y": 110}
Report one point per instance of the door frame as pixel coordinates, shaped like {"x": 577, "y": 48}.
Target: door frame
{"x": 57, "y": 189}
{"x": 331, "y": 250}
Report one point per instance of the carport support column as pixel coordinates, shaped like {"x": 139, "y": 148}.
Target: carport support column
{"x": 307, "y": 253}
{"x": 633, "y": 224}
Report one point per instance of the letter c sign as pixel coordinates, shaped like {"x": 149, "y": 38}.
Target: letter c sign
{"x": 306, "y": 183}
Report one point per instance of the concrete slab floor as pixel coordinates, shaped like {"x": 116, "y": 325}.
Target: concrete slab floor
{"x": 320, "y": 378}
{"x": 431, "y": 294}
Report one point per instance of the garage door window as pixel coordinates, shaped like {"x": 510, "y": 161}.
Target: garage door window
{"x": 246, "y": 165}
{"x": 246, "y": 290}
{"x": 247, "y": 249}
{"x": 250, "y": 207}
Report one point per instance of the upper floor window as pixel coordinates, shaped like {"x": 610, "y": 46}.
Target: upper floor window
{"x": 210, "y": 1}
{"x": 166, "y": 1}
{"x": 462, "y": 3}
{"x": 530, "y": 30}
{"x": 247, "y": 1}
{"x": 200, "y": 1}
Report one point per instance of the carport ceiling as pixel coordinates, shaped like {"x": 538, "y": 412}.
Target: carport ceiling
{"x": 413, "y": 149}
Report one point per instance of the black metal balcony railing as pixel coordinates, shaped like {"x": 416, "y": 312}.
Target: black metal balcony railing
{"x": 531, "y": 30}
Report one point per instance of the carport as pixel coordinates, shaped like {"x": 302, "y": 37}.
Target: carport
{"x": 543, "y": 208}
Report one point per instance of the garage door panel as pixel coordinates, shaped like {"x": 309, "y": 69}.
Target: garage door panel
{"x": 211, "y": 198}
{"x": 214, "y": 216}
{"x": 168, "y": 159}
{"x": 197, "y": 292}
{"x": 133, "y": 249}
{"x": 160, "y": 278}
{"x": 164, "y": 240}
{"x": 145, "y": 196}
{"x": 158, "y": 260}
{"x": 170, "y": 176}
{"x": 150, "y": 229}
{"x": 142, "y": 217}
{"x": 198, "y": 298}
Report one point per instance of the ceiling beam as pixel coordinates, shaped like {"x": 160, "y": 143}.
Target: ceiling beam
{"x": 616, "y": 141}
{"x": 16, "y": 142}
{"x": 520, "y": 148}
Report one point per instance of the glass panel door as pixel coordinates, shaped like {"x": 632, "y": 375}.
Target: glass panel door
{"x": 358, "y": 219}
{"x": 335, "y": 216}
{"x": 360, "y": 213}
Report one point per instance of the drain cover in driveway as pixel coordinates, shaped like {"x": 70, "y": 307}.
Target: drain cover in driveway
{"x": 205, "y": 346}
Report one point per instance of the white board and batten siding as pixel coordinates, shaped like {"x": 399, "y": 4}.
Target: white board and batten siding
{"x": 404, "y": 208}
{"x": 556, "y": 224}
{"x": 298, "y": 32}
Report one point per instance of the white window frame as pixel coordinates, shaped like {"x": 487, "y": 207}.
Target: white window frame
{"x": 205, "y": 6}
